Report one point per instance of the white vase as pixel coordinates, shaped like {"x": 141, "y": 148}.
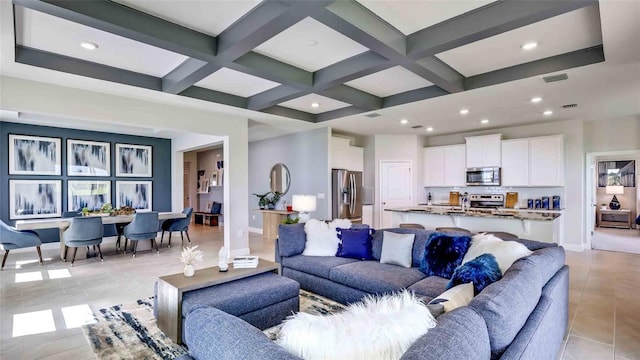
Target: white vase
{"x": 188, "y": 270}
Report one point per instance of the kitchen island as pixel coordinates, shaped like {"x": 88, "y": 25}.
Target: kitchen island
{"x": 533, "y": 225}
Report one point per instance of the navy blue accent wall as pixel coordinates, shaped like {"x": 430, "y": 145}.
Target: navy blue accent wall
{"x": 161, "y": 162}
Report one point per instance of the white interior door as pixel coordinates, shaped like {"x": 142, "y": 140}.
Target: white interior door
{"x": 591, "y": 185}
{"x": 396, "y": 188}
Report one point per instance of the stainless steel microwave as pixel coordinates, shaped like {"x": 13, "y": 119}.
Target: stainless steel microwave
{"x": 485, "y": 176}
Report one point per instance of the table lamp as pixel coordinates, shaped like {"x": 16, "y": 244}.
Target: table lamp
{"x": 614, "y": 190}
{"x": 304, "y": 204}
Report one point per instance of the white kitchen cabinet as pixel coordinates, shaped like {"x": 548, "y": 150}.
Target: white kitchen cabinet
{"x": 546, "y": 161}
{"x": 444, "y": 166}
{"x": 515, "y": 162}
{"x": 483, "y": 151}
{"x": 345, "y": 156}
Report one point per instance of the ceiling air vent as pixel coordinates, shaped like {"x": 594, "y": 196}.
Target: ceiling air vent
{"x": 569, "y": 106}
{"x": 554, "y": 78}
{"x": 417, "y": 127}
{"x": 372, "y": 115}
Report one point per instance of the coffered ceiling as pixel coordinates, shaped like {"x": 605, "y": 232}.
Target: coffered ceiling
{"x": 279, "y": 57}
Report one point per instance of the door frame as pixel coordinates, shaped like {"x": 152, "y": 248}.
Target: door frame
{"x": 380, "y": 204}
{"x": 591, "y": 187}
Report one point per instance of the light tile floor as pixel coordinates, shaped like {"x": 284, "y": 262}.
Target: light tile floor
{"x": 611, "y": 239}
{"x": 604, "y": 311}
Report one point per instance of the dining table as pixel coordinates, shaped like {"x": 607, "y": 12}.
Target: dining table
{"x": 63, "y": 223}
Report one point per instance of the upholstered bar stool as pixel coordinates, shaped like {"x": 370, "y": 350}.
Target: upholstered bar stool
{"x": 453, "y": 230}
{"x": 83, "y": 231}
{"x": 411, "y": 226}
{"x": 501, "y": 234}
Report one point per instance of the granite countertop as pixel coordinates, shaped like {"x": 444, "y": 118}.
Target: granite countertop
{"x": 487, "y": 213}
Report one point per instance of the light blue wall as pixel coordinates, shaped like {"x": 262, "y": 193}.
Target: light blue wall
{"x": 306, "y": 154}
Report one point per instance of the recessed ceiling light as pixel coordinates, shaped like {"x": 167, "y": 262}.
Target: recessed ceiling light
{"x": 536, "y": 99}
{"x": 484, "y": 121}
{"x": 530, "y": 45}
{"x": 404, "y": 121}
{"x": 311, "y": 42}
{"x": 464, "y": 111}
{"x": 547, "y": 113}
{"x": 89, "y": 45}
{"x": 429, "y": 129}
{"x": 315, "y": 104}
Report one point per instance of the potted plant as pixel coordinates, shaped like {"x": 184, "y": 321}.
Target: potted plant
{"x": 290, "y": 221}
{"x": 273, "y": 200}
{"x": 263, "y": 200}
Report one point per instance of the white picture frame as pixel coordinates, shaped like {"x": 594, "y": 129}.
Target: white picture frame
{"x": 133, "y": 160}
{"x": 34, "y": 199}
{"x": 137, "y": 194}
{"x": 34, "y": 155}
{"x": 91, "y": 194}
{"x": 88, "y": 158}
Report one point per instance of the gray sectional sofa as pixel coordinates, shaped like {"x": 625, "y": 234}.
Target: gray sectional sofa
{"x": 521, "y": 316}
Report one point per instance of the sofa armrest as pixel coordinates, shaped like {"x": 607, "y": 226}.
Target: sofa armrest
{"x": 213, "y": 334}
{"x": 291, "y": 239}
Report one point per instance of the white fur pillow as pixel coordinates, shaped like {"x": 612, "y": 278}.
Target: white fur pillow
{"x": 322, "y": 238}
{"x": 457, "y": 296}
{"x": 376, "y": 328}
{"x": 505, "y": 252}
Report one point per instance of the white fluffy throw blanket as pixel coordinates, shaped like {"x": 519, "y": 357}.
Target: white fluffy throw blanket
{"x": 376, "y": 328}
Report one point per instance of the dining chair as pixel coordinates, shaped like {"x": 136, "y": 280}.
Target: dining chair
{"x": 143, "y": 227}
{"x": 11, "y": 239}
{"x": 181, "y": 225}
{"x": 83, "y": 231}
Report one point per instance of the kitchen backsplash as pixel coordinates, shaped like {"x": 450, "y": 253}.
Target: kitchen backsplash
{"x": 441, "y": 194}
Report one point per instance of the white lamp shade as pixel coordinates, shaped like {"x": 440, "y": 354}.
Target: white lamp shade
{"x": 304, "y": 203}
{"x": 615, "y": 190}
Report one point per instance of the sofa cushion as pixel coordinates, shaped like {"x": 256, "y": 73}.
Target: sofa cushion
{"x": 481, "y": 271}
{"x": 322, "y": 239}
{"x": 455, "y": 297}
{"x": 421, "y": 237}
{"x": 355, "y": 244}
{"x": 443, "y": 254}
{"x": 460, "y": 334}
{"x": 256, "y": 292}
{"x": 375, "y": 278}
{"x": 506, "y": 304}
{"x": 505, "y": 252}
{"x": 396, "y": 249}
{"x": 316, "y": 265}
{"x": 291, "y": 239}
{"x": 431, "y": 286}
{"x": 547, "y": 262}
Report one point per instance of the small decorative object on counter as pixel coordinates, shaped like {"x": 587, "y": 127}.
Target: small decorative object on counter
{"x": 189, "y": 257}
{"x": 538, "y": 204}
{"x": 529, "y": 203}
{"x": 223, "y": 255}
{"x": 556, "y": 202}
{"x": 545, "y": 202}
{"x": 429, "y": 199}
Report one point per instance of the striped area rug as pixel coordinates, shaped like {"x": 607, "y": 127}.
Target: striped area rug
{"x": 129, "y": 331}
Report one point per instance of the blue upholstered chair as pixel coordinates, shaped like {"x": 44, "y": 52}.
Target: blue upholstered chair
{"x": 11, "y": 239}
{"x": 181, "y": 225}
{"x": 143, "y": 227}
{"x": 83, "y": 231}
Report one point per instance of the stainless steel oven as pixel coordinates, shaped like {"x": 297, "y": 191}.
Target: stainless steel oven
{"x": 485, "y": 176}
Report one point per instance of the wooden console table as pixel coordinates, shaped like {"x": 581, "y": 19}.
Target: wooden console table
{"x": 615, "y": 218}
{"x": 205, "y": 218}
{"x": 270, "y": 221}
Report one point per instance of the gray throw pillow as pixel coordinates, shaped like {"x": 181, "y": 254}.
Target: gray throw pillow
{"x": 397, "y": 248}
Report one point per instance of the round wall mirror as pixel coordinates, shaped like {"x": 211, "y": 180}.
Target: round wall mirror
{"x": 279, "y": 179}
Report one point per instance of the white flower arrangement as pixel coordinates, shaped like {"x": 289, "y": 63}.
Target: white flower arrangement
{"x": 191, "y": 256}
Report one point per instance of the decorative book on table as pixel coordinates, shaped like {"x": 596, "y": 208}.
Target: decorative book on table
{"x": 245, "y": 262}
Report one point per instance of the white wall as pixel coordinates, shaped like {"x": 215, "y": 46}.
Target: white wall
{"x": 207, "y": 161}
{"x": 198, "y": 127}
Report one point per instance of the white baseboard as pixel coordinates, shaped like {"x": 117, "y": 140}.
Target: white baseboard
{"x": 255, "y": 230}
{"x": 239, "y": 252}
{"x": 573, "y": 247}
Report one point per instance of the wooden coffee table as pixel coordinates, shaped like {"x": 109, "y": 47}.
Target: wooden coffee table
{"x": 171, "y": 288}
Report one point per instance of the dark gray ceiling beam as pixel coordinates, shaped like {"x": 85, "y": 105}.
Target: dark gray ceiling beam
{"x": 186, "y": 74}
{"x": 566, "y": 61}
{"x": 271, "y": 69}
{"x": 350, "y": 69}
{"x": 51, "y": 61}
{"x": 215, "y": 96}
{"x": 335, "y": 114}
{"x": 133, "y": 24}
{"x": 487, "y": 21}
{"x": 435, "y": 68}
{"x": 412, "y": 96}
{"x": 353, "y": 96}
{"x": 290, "y": 113}
{"x": 273, "y": 97}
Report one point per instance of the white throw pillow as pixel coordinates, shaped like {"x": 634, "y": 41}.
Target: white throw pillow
{"x": 457, "y": 296}
{"x": 505, "y": 252}
{"x": 397, "y": 248}
{"x": 322, "y": 238}
{"x": 377, "y": 328}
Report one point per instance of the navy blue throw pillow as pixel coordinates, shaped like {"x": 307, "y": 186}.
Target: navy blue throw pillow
{"x": 216, "y": 207}
{"x": 482, "y": 271}
{"x": 443, "y": 254}
{"x": 355, "y": 243}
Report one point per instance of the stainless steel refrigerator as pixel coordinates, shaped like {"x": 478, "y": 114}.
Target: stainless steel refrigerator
{"x": 346, "y": 192}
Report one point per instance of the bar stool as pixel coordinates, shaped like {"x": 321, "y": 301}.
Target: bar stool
{"x": 453, "y": 230}
{"x": 501, "y": 234}
{"x": 411, "y": 226}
